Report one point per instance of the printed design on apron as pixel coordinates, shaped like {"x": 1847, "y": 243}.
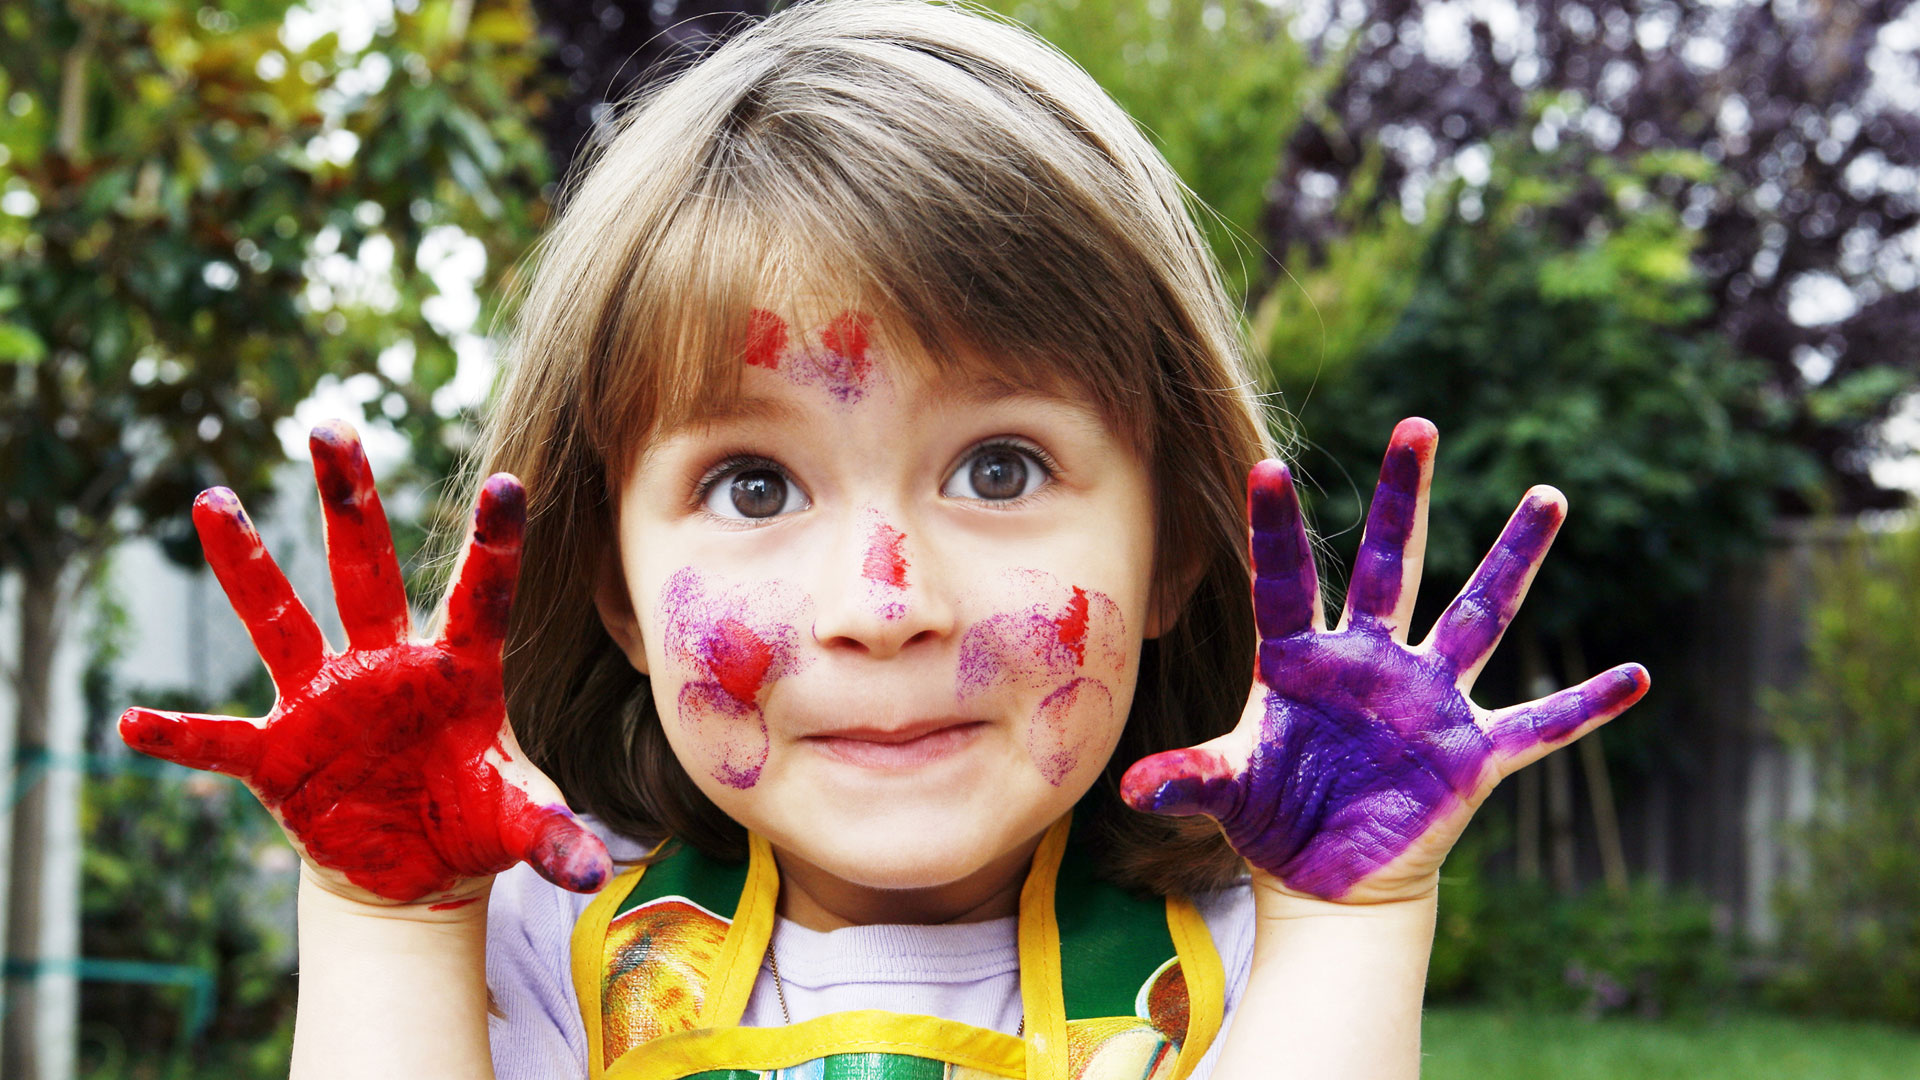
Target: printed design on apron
{"x": 660, "y": 958}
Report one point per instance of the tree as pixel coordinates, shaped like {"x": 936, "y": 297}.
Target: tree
{"x": 1805, "y": 110}
{"x": 203, "y": 212}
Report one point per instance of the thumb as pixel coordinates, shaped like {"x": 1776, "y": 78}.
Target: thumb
{"x": 1182, "y": 783}
{"x": 562, "y": 850}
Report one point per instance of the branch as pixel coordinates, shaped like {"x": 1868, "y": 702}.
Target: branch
{"x": 73, "y": 84}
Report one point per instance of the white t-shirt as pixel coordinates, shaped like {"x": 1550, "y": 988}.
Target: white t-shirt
{"x": 968, "y": 972}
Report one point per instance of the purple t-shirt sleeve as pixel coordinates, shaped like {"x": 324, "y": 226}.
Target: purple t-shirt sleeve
{"x": 535, "y": 1026}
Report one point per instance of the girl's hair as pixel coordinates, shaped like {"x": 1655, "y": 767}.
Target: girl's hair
{"x": 963, "y": 183}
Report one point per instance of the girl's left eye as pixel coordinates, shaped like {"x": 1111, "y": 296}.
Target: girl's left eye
{"x": 998, "y": 472}
{"x": 752, "y": 492}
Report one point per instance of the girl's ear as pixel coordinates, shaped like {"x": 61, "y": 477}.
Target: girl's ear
{"x": 614, "y": 601}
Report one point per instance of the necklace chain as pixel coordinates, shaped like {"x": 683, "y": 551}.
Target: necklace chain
{"x": 786, "y": 1016}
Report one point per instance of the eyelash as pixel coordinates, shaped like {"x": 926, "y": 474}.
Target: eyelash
{"x": 1049, "y": 468}
{"x": 727, "y": 466}
{"x": 736, "y": 463}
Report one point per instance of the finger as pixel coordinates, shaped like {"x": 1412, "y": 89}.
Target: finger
{"x": 366, "y": 576}
{"x": 482, "y": 596}
{"x": 562, "y": 850}
{"x": 1523, "y": 734}
{"x": 1472, "y": 625}
{"x": 224, "y": 744}
{"x": 1183, "y": 783}
{"x": 283, "y": 631}
{"x": 1386, "y": 574}
{"x": 1286, "y": 586}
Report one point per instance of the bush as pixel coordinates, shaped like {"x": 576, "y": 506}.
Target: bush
{"x": 1651, "y": 952}
{"x": 1851, "y": 930}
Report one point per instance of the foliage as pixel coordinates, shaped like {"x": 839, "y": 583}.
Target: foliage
{"x": 1542, "y": 358}
{"x": 1852, "y": 929}
{"x": 1218, "y": 87}
{"x": 185, "y": 868}
{"x": 1651, "y": 952}
{"x": 205, "y": 214}
{"x": 1801, "y": 108}
{"x": 1494, "y": 1044}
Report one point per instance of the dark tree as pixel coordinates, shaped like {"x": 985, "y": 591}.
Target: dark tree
{"x": 600, "y": 52}
{"x": 1808, "y": 114}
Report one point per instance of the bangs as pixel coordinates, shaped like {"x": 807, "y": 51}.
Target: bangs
{"x": 994, "y": 261}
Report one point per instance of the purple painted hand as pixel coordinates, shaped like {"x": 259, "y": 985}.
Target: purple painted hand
{"x": 1359, "y": 758}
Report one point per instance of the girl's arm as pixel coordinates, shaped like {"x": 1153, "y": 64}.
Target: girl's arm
{"x": 390, "y": 991}
{"x": 1357, "y": 763}
{"x": 392, "y": 769}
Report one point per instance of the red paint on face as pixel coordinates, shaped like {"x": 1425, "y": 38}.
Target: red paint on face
{"x": 846, "y": 335}
{"x": 738, "y": 659}
{"x": 766, "y": 339}
{"x": 1072, "y": 626}
{"x": 885, "y": 563}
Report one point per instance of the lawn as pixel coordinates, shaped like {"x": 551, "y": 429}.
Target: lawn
{"x": 1490, "y": 1044}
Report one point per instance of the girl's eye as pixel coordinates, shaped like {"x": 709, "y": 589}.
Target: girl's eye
{"x": 754, "y": 493}
{"x": 997, "y": 473}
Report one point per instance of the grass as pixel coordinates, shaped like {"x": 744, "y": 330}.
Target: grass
{"x": 1491, "y": 1044}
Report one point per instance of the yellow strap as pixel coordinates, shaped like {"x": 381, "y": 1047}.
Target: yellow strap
{"x": 738, "y": 964}
{"x": 1041, "y": 992}
{"x": 1206, "y": 982}
{"x": 866, "y": 1031}
{"x": 589, "y": 955}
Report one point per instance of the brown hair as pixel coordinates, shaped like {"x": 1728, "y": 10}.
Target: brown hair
{"x": 966, "y": 184}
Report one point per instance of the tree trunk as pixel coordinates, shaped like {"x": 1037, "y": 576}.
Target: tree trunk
{"x": 1593, "y": 765}
{"x": 42, "y": 824}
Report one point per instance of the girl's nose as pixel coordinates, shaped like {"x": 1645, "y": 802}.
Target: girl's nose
{"x": 877, "y": 596}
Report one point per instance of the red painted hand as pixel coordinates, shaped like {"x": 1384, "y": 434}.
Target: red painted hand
{"x": 391, "y": 765}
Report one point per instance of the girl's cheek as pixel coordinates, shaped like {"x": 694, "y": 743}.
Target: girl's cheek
{"x": 1063, "y": 648}
{"x": 730, "y": 642}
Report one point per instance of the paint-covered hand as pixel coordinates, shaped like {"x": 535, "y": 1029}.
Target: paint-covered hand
{"x": 391, "y": 765}
{"x": 1359, "y": 758}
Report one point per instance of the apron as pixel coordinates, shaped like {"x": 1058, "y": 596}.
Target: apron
{"x": 1115, "y": 987}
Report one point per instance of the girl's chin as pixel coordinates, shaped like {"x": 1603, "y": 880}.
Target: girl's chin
{"x": 920, "y": 845}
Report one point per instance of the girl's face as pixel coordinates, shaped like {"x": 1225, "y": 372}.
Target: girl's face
{"x": 892, "y": 622}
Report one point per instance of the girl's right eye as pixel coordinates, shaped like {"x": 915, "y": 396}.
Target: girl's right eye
{"x": 752, "y": 493}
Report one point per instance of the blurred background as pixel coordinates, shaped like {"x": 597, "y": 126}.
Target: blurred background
{"x": 1664, "y": 254}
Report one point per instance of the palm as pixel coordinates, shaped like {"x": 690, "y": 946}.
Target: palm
{"x": 1360, "y": 758}
{"x": 390, "y": 765}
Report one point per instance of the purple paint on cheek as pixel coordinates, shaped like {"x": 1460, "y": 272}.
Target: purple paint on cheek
{"x": 732, "y": 642}
{"x": 1043, "y": 644}
{"x": 1064, "y": 723}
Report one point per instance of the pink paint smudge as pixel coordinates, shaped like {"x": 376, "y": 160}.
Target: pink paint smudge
{"x": 1042, "y": 644}
{"x": 885, "y": 566}
{"x": 1051, "y": 739}
{"x": 841, "y": 364}
{"x": 734, "y": 641}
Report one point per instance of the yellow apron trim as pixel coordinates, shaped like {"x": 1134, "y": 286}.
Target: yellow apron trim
{"x": 588, "y": 954}
{"x": 868, "y": 1031}
{"x": 738, "y": 964}
{"x": 1041, "y": 991}
{"x": 1206, "y": 982}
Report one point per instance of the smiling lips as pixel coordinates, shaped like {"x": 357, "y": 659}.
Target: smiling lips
{"x": 896, "y": 748}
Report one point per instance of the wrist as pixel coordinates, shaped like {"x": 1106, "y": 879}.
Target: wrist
{"x": 1273, "y": 900}
{"x": 322, "y": 897}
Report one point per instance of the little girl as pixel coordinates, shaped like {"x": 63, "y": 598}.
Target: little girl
{"x": 880, "y": 559}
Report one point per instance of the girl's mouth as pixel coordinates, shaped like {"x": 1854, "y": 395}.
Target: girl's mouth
{"x": 906, "y": 747}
